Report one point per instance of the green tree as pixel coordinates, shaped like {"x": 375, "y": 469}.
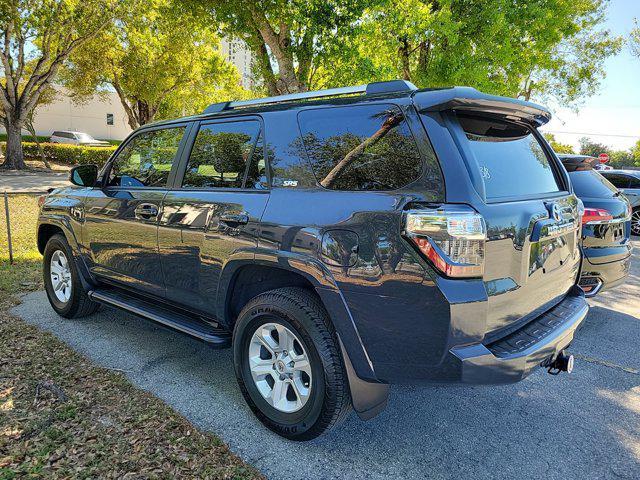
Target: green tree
{"x": 36, "y": 39}
{"x": 557, "y": 146}
{"x": 529, "y": 49}
{"x": 634, "y": 40}
{"x": 291, "y": 39}
{"x": 626, "y": 158}
{"x": 160, "y": 58}
{"x": 593, "y": 149}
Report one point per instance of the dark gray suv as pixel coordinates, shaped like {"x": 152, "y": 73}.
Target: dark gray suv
{"x": 339, "y": 241}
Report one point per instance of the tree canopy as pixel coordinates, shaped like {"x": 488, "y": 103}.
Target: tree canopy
{"x": 36, "y": 38}
{"x": 291, "y": 39}
{"x": 535, "y": 49}
{"x": 159, "y": 58}
{"x": 558, "y": 147}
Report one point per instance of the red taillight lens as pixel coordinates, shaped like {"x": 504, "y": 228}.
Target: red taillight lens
{"x": 596, "y": 215}
{"x": 41, "y": 200}
{"x": 451, "y": 237}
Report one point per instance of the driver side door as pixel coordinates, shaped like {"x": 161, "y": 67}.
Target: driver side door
{"x": 121, "y": 217}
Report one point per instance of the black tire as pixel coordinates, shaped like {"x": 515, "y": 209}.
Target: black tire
{"x": 79, "y": 303}
{"x": 303, "y": 314}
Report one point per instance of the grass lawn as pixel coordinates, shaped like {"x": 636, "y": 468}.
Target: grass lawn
{"x": 63, "y": 417}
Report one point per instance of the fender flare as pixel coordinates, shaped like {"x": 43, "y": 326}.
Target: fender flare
{"x": 369, "y": 396}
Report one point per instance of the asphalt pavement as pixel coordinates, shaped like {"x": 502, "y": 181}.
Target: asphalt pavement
{"x": 580, "y": 426}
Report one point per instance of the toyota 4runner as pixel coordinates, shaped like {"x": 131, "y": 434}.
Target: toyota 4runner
{"x": 339, "y": 241}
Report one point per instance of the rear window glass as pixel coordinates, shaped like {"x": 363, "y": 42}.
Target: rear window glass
{"x": 512, "y": 161}
{"x": 589, "y": 183}
{"x": 362, "y": 147}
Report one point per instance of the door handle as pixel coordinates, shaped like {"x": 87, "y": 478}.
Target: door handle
{"x": 234, "y": 219}
{"x": 146, "y": 211}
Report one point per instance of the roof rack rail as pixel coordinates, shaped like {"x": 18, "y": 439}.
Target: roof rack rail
{"x": 374, "y": 88}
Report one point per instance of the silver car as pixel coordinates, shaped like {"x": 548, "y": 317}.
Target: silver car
{"x": 76, "y": 138}
{"x": 628, "y": 181}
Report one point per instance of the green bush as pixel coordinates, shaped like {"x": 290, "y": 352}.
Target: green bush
{"x": 67, "y": 154}
{"x": 25, "y": 138}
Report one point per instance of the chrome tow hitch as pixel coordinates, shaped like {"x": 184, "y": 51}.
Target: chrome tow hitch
{"x": 562, "y": 363}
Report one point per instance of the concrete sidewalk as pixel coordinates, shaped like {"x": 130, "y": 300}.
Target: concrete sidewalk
{"x": 16, "y": 181}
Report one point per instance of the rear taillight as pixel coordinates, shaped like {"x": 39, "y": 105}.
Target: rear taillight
{"x": 41, "y": 200}
{"x": 596, "y": 215}
{"x": 452, "y": 237}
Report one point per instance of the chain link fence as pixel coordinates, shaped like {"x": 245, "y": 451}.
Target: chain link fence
{"x": 10, "y": 227}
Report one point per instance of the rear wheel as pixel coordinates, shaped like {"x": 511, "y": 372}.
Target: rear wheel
{"x": 288, "y": 364}
{"x": 635, "y": 222}
{"x": 62, "y": 283}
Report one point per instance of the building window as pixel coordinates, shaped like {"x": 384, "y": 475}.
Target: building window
{"x": 109, "y": 118}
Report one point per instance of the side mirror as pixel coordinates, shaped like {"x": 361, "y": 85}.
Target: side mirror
{"x": 84, "y": 175}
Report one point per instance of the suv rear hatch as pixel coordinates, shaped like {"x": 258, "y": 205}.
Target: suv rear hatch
{"x": 531, "y": 257}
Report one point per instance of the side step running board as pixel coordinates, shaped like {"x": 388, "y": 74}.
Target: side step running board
{"x": 215, "y": 336}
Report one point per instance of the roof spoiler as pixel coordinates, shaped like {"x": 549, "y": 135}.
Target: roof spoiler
{"x": 471, "y": 100}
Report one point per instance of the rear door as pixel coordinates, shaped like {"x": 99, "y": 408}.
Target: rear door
{"x": 532, "y": 255}
{"x": 213, "y": 211}
{"x": 121, "y": 227}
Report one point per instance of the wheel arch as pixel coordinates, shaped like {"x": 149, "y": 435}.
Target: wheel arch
{"x": 243, "y": 279}
{"x": 49, "y": 226}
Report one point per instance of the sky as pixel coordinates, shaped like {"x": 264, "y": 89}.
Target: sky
{"x": 613, "y": 114}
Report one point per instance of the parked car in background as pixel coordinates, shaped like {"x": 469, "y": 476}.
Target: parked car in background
{"x": 76, "y": 138}
{"x": 606, "y": 226}
{"x": 628, "y": 182}
{"x": 338, "y": 241}
{"x": 602, "y": 166}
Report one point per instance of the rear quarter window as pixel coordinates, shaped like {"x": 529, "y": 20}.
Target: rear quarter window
{"x": 361, "y": 147}
{"x": 511, "y": 159}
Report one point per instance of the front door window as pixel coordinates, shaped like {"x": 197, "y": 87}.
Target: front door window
{"x": 146, "y": 160}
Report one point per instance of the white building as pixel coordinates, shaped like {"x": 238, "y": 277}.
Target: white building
{"x": 237, "y": 52}
{"x": 101, "y": 117}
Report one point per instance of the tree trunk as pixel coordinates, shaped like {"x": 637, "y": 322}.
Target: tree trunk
{"x": 32, "y": 131}
{"x": 14, "y": 157}
{"x": 404, "y": 52}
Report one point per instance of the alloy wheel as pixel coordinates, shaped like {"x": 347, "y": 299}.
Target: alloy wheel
{"x": 635, "y": 222}
{"x": 280, "y": 367}
{"x": 60, "y": 273}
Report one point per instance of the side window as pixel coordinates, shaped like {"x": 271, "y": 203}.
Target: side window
{"x": 146, "y": 160}
{"x": 220, "y": 155}
{"x": 362, "y": 147}
{"x": 620, "y": 181}
{"x": 635, "y": 182}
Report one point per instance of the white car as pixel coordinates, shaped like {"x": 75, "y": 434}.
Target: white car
{"x": 76, "y": 138}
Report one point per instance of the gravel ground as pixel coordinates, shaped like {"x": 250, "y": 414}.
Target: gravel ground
{"x": 584, "y": 425}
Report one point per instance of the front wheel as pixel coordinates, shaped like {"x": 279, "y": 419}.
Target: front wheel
{"x": 62, "y": 282}
{"x": 288, "y": 364}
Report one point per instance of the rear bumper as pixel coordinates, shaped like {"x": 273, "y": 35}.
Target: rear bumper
{"x": 604, "y": 275}
{"x": 515, "y": 356}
